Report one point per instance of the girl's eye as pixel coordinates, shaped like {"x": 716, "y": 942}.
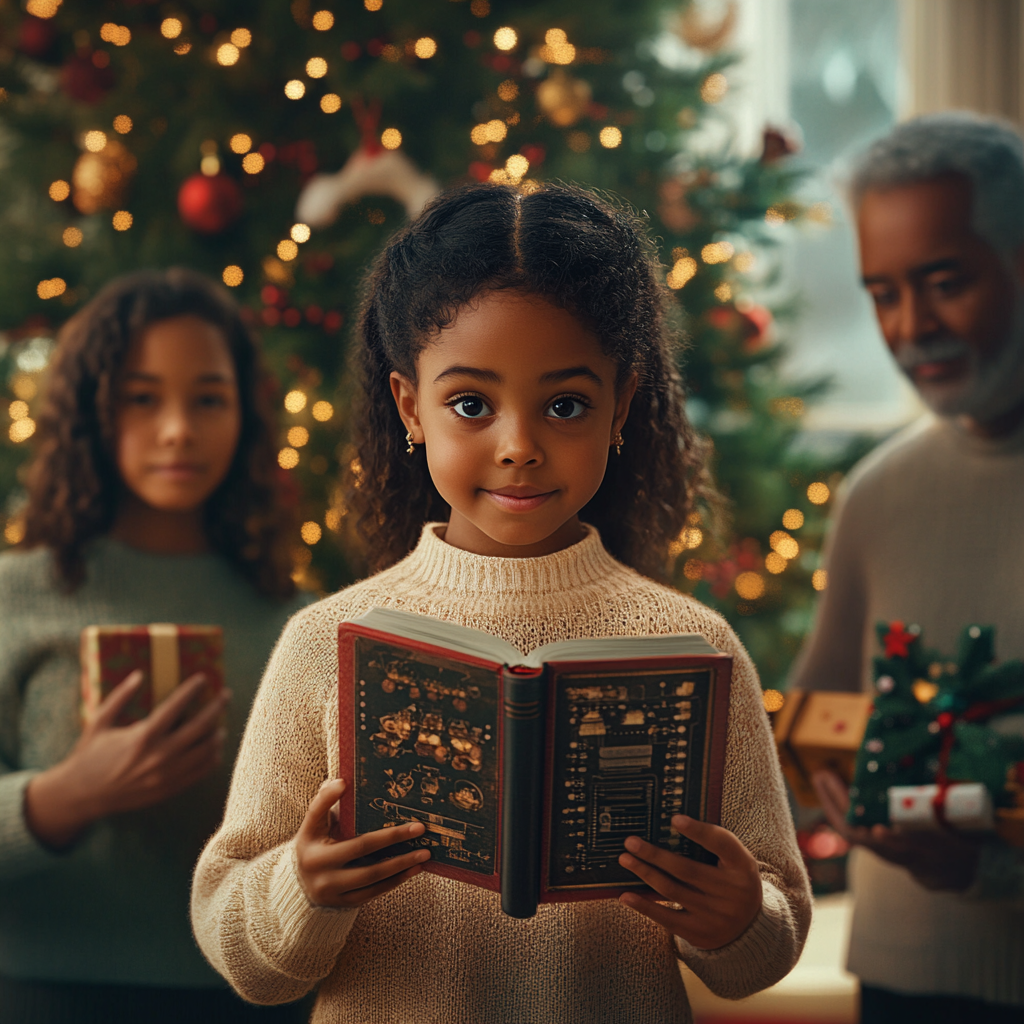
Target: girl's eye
{"x": 471, "y": 407}
{"x": 212, "y": 401}
{"x": 140, "y": 398}
{"x": 566, "y": 408}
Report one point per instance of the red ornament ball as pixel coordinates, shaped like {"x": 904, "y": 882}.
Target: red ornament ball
{"x": 36, "y": 36}
{"x": 82, "y": 80}
{"x": 211, "y": 204}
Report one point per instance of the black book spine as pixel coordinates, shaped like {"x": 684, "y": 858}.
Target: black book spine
{"x": 522, "y": 790}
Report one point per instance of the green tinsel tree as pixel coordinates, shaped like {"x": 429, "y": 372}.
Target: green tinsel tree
{"x": 141, "y": 134}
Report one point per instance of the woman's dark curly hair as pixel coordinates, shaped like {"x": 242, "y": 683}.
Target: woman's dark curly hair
{"x": 74, "y": 488}
{"x": 578, "y": 252}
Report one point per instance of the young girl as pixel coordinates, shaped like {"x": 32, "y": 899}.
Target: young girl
{"x": 524, "y": 463}
{"x": 152, "y": 498}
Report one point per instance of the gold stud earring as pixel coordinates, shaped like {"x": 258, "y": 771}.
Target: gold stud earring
{"x": 618, "y": 442}
{"x": 412, "y": 447}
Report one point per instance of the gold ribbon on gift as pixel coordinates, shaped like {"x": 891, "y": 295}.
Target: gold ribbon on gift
{"x": 164, "y": 664}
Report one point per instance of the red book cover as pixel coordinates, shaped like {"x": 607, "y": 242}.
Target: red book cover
{"x": 527, "y": 779}
{"x": 167, "y": 654}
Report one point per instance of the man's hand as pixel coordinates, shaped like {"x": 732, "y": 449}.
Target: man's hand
{"x": 938, "y": 860}
{"x": 718, "y": 904}
{"x": 325, "y": 871}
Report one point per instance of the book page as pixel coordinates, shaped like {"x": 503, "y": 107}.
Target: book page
{"x": 611, "y": 648}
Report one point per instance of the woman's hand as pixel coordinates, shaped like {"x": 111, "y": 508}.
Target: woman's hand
{"x": 115, "y": 769}
{"x": 718, "y": 904}
{"x": 323, "y": 864}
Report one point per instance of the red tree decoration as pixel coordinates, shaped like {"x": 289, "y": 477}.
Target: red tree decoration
{"x": 209, "y": 204}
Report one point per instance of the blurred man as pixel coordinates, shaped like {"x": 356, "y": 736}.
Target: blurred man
{"x": 930, "y": 530}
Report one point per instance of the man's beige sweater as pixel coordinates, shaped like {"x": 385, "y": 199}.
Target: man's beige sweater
{"x": 440, "y": 951}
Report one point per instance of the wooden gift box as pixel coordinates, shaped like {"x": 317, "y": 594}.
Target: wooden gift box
{"x": 167, "y": 654}
{"x": 819, "y": 731}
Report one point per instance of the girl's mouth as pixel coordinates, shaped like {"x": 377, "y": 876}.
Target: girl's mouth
{"x": 519, "y": 499}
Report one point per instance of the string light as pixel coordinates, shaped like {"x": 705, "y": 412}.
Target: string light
{"x": 183, "y": 47}
{"x": 24, "y": 387}
{"x": 781, "y": 542}
{"x": 18, "y": 410}
{"x": 332, "y": 519}
{"x": 311, "y": 532}
{"x": 42, "y": 8}
{"x": 425, "y": 48}
{"x": 792, "y": 519}
{"x": 373, "y": 5}
{"x": 391, "y": 138}
{"x": 516, "y": 166}
{"x": 744, "y": 262}
{"x": 295, "y": 89}
{"x": 300, "y": 233}
{"x": 59, "y": 190}
{"x": 94, "y": 141}
{"x": 233, "y": 276}
{"x": 714, "y": 88}
{"x": 240, "y": 143}
{"x": 287, "y": 458}
{"x": 750, "y": 585}
{"x": 322, "y": 411}
{"x": 717, "y": 252}
{"x": 818, "y": 493}
{"x": 724, "y": 292}
{"x": 492, "y": 131}
{"x": 773, "y": 701}
{"x": 557, "y": 49}
{"x": 480, "y": 8}
{"x": 210, "y": 165}
{"x": 287, "y": 250}
{"x": 610, "y": 137}
{"x": 228, "y": 54}
{"x": 693, "y": 569}
{"x": 253, "y": 163}
{"x": 72, "y": 237}
{"x": 298, "y": 436}
{"x": 14, "y": 531}
{"x": 123, "y": 124}
{"x": 505, "y": 38}
{"x": 819, "y": 579}
{"x": 775, "y": 563}
{"x": 122, "y": 220}
{"x": 118, "y": 35}
{"x": 682, "y": 270}
{"x": 51, "y": 288}
{"x": 295, "y": 401}
{"x": 508, "y": 90}
{"x": 21, "y": 430}
{"x": 316, "y": 67}
{"x": 241, "y": 37}
{"x": 774, "y": 216}
{"x": 330, "y": 103}
{"x": 170, "y": 28}
{"x": 323, "y": 21}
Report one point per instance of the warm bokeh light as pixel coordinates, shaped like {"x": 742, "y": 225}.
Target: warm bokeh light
{"x": 373, "y": 5}
{"x": 610, "y": 137}
{"x": 391, "y": 138}
{"x": 750, "y": 585}
{"x": 505, "y": 38}
{"x": 774, "y": 215}
{"x": 240, "y": 143}
{"x": 24, "y": 387}
{"x": 714, "y": 88}
{"x": 123, "y": 124}
{"x": 72, "y": 237}
{"x": 241, "y": 37}
{"x": 295, "y": 89}
{"x": 287, "y": 250}
{"x": 491, "y": 131}
{"x": 425, "y": 47}
{"x": 170, "y": 28}
{"x": 819, "y": 579}
{"x": 311, "y": 532}
{"x": 332, "y": 519}
{"x": 693, "y": 569}
{"x": 14, "y": 531}
{"x": 233, "y": 276}
{"x": 316, "y": 67}
{"x": 818, "y": 493}
{"x": 744, "y": 262}
{"x": 323, "y": 21}
{"x": 253, "y": 163}
{"x": 681, "y": 272}
{"x": 724, "y": 292}
{"x": 18, "y": 410}
{"x": 42, "y": 8}
{"x": 792, "y": 519}
{"x": 295, "y": 401}
{"x": 785, "y": 545}
{"x": 298, "y": 436}
{"x": 183, "y": 47}
{"x": 118, "y": 35}
{"x": 322, "y": 411}
{"x": 95, "y": 141}
{"x": 773, "y": 700}
{"x": 775, "y": 563}
{"x": 228, "y": 54}
{"x": 51, "y": 288}
{"x": 122, "y": 220}
{"x": 59, "y": 190}
{"x": 21, "y": 430}
{"x": 508, "y": 90}
{"x": 517, "y": 165}
{"x": 210, "y": 165}
{"x": 330, "y": 103}
{"x": 300, "y": 233}
{"x": 557, "y": 49}
{"x": 717, "y": 252}
{"x": 287, "y": 458}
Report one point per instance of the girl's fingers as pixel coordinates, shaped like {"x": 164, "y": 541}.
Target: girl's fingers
{"x": 115, "y": 701}
{"x": 353, "y": 879}
{"x": 371, "y": 842}
{"x": 691, "y": 873}
{"x": 715, "y": 839}
{"x": 671, "y": 920}
{"x": 206, "y": 721}
{"x": 670, "y": 888}
{"x": 316, "y": 824}
{"x": 166, "y": 715}
{"x": 357, "y": 897}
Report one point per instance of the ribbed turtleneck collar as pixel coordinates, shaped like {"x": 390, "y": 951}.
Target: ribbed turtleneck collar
{"x": 441, "y": 567}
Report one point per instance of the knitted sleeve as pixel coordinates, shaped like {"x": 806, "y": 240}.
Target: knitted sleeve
{"x": 755, "y": 809}
{"x": 250, "y": 915}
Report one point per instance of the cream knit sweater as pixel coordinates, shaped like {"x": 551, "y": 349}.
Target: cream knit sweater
{"x": 439, "y": 951}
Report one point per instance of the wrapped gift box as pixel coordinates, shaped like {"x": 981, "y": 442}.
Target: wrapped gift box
{"x": 167, "y": 654}
{"x": 819, "y": 731}
{"x": 966, "y": 806}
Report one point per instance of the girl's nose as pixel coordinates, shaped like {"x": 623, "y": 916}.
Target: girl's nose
{"x": 517, "y": 446}
{"x": 176, "y": 425}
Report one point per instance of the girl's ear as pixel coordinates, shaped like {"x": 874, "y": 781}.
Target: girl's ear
{"x": 622, "y": 400}
{"x": 405, "y": 398}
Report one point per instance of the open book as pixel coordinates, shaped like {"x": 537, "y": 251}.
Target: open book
{"x": 529, "y": 772}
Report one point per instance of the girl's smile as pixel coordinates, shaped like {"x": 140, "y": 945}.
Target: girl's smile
{"x": 516, "y": 404}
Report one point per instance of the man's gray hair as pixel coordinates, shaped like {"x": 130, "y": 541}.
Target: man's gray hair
{"x": 986, "y": 151}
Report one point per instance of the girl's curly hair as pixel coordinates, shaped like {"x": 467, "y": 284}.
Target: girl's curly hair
{"x": 578, "y": 252}
{"x": 74, "y": 488}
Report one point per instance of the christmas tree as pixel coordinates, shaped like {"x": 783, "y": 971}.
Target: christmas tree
{"x": 275, "y": 147}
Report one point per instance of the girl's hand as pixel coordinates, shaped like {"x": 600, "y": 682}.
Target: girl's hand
{"x": 718, "y": 903}
{"x": 323, "y": 864}
{"x": 115, "y": 769}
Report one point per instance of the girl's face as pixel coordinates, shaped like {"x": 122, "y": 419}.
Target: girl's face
{"x": 517, "y": 406}
{"x": 178, "y": 414}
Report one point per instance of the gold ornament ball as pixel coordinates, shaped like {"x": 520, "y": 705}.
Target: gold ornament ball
{"x": 100, "y": 180}
{"x": 563, "y": 98}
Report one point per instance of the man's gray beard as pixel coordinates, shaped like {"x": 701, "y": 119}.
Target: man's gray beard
{"x": 994, "y": 385}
